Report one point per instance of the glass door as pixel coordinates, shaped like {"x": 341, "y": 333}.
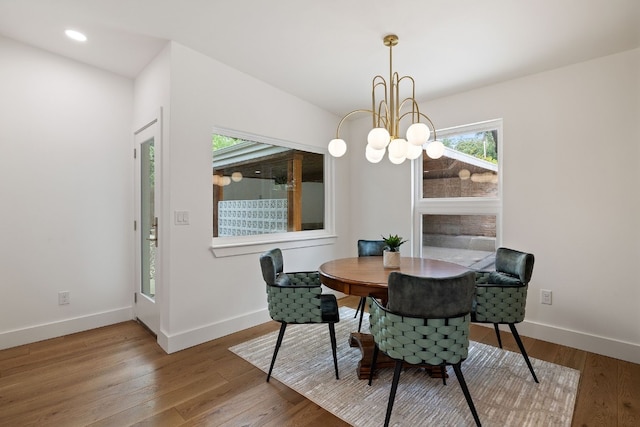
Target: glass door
{"x": 148, "y": 219}
{"x": 147, "y": 230}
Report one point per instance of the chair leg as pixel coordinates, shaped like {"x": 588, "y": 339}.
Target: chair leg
{"x": 495, "y": 326}
{"x": 361, "y": 315}
{"x": 374, "y": 359}
{"x": 465, "y": 391}
{"x": 361, "y": 305}
{"x": 392, "y": 394}
{"x": 516, "y": 335}
{"x": 283, "y": 326}
{"x": 443, "y": 373}
{"x": 332, "y": 334}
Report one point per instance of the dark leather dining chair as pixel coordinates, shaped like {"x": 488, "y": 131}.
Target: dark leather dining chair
{"x": 296, "y": 297}
{"x": 367, "y": 248}
{"x": 501, "y": 295}
{"x": 426, "y": 323}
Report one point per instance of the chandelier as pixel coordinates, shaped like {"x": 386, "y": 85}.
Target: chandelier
{"x": 387, "y": 111}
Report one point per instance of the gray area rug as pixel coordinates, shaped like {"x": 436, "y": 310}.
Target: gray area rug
{"x": 499, "y": 381}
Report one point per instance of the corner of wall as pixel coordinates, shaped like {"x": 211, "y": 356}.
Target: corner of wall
{"x": 190, "y": 338}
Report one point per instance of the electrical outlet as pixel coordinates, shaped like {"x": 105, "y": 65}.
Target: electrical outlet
{"x": 545, "y": 296}
{"x": 64, "y": 297}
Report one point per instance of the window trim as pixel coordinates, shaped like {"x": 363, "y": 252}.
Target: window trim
{"x": 458, "y": 205}
{"x": 241, "y": 245}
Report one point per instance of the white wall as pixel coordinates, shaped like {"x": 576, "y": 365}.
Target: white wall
{"x": 66, "y": 194}
{"x": 571, "y": 162}
{"x": 208, "y": 297}
{"x": 380, "y": 202}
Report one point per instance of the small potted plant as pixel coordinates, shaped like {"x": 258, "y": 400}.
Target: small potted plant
{"x": 391, "y": 254}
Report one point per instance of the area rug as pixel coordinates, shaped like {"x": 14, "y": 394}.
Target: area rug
{"x": 500, "y": 383}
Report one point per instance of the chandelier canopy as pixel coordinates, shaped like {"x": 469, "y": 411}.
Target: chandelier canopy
{"x": 387, "y": 112}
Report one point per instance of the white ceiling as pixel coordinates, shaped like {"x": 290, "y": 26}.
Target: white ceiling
{"x": 327, "y": 51}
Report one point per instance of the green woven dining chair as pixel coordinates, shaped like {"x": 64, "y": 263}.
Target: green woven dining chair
{"x": 296, "y": 297}
{"x": 425, "y": 323}
{"x": 501, "y": 295}
{"x": 367, "y": 248}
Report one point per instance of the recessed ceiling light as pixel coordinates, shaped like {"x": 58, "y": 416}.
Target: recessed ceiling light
{"x": 76, "y": 35}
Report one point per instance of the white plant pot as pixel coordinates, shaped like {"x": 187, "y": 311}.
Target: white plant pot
{"x": 391, "y": 259}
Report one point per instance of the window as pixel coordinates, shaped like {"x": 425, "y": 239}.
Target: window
{"x": 468, "y": 168}
{"x": 457, "y": 202}
{"x": 468, "y": 240}
{"x": 264, "y": 189}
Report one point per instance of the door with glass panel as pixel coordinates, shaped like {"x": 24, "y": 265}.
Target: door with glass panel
{"x": 148, "y": 238}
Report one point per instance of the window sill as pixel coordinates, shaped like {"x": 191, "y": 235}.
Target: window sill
{"x": 233, "y": 246}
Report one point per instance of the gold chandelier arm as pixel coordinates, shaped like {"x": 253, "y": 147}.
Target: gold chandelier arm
{"x": 412, "y": 99}
{"x": 349, "y": 115}
{"x": 432, "y": 126}
{"x": 379, "y": 81}
{"x": 417, "y": 111}
{"x": 382, "y": 117}
{"x": 416, "y": 114}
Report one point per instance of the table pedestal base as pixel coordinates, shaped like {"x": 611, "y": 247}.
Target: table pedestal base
{"x": 366, "y": 344}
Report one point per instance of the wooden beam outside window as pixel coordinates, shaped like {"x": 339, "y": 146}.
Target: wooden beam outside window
{"x": 294, "y": 193}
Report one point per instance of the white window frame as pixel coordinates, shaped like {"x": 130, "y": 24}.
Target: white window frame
{"x": 241, "y": 245}
{"x": 458, "y": 205}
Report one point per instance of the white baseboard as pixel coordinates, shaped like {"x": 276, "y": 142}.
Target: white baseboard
{"x": 63, "y": 327}
{"x": 172, "y": 343}
{"x": 193, "y": 337}
{"x": 595, "y": 344}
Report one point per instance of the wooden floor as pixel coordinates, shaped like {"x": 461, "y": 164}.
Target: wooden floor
{"x": 118, "y": 376}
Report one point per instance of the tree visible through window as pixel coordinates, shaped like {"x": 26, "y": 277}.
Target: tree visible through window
{"x": 482, "y": 145}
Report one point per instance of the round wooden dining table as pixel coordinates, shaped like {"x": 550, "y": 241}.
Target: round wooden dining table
{"x": 366, "y": 276}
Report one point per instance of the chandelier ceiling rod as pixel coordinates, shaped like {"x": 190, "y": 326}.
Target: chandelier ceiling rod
{"x": 390, "y": 41}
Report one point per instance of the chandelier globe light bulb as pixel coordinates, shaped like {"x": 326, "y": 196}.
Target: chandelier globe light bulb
{"x": 396, "y": 160}
{"x": 418, "y": 134}
{"x": 413, "y": 151}
{"x": 398, "y": 148}
{"x": 435, "y": 149}
{"x": 337, "y": 147}
{"x": 378, "y": 138}
{"x": 373, "y": 155}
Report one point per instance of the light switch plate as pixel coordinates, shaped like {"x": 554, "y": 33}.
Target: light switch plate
{"x": 181, "y": 217}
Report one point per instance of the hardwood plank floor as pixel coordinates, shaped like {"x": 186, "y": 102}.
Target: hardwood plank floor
{"x": 118, "y": 376}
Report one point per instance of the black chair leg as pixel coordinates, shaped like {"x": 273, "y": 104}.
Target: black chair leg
{"x": 283, "y": 326}
{"x": 392, "y": 395}
{"x": 465, "y": 390}
{"x": 516, "y": 335}
{"x": 361, "y": 315}
{"x": 332, "y": 334}
{"x": 374, "y": 359}
{"x": 495, "y": 326}
{"x": 361, "y": 305}
{"x": 443, "y": 373}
